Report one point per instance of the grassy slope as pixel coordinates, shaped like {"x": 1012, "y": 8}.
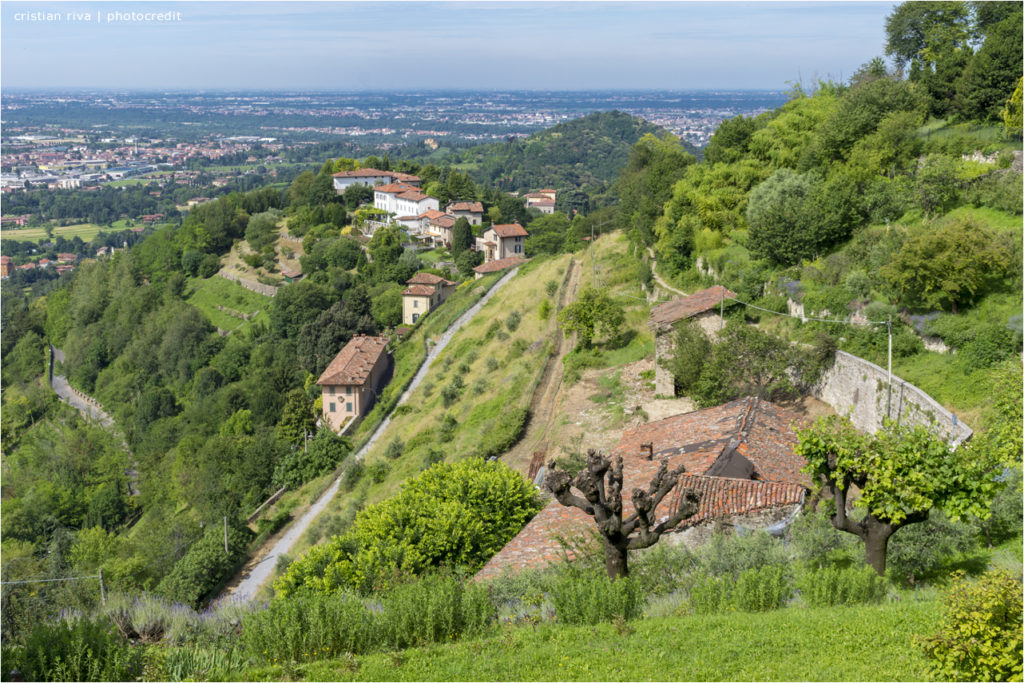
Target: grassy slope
{"x": 215, "y": 291}
{"x": 86, "y": 231}
{"x": 828, "y": 644}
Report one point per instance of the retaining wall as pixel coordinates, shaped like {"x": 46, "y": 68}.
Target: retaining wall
{"x": 859, "y": 389}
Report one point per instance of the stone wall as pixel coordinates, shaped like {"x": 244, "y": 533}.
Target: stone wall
{"x": 859, "y": 389}
{"x": 775, "y": 518}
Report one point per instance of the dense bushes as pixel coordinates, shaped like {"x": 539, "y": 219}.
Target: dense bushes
{"x": 433, "y": 609}
{"x": 592, "y": 597}
{"x": 206, "y": 564}
{"x": 74, "y": 648}
{"x": 454, "y": 515}
{"x": 980, "y": 636}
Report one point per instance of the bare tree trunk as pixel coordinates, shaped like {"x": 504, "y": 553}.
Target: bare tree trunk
{"x": 615, "y": 561}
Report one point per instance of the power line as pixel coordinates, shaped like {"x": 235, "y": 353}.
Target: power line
{"x": 69, "y": 578}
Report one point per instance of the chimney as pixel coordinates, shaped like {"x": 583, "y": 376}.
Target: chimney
{"x": 647, "y": 451}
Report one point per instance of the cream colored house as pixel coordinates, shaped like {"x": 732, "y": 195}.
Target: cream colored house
{"x": 471, "y": 211}
{"x": 350, "y": 383}
{"x": 426, "y": 292}
{"x": 502, "y": 241}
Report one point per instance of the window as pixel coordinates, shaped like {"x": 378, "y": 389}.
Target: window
{"x": 332, "y": 408}
{"x": 348, "y": 406}
{"x": 331, "y": 392}
{"x": 415, "y": 317}
{"x": 415, "y": 303}
{"x": 348, "y": 390}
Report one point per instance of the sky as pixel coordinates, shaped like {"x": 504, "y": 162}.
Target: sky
{"x": 435, "y": 45}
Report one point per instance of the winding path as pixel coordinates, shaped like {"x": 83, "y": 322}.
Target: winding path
{"x": 91, "y": 409}
{"x": 657, "y": 278}
{"x": 260, "y": 573}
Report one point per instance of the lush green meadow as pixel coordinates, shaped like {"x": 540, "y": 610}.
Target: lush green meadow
{"x": 865, "y": 643}
{"x": 87, "y": 231}
{"x": 215, "y": 291}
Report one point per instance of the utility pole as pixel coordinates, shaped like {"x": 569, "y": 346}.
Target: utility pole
{"x": 226, "y": 536}
{"x": 888, "y": 400}
{"x": 593, "y": 260}
{"x": 103, "y": 589}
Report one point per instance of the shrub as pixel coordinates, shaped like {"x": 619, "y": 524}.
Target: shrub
{"x": 505, "y": 431}
{"x": 710, "y": 594}
{"x": 491, "y": 364}
{"x": 433, "y": 456}
{"x": 980, "y": 635}
{"x": 544, "y": 310}
{"x": 394, "y": 449}
{"x": 834, "y": 586}
{"x": 591, "y": 598}
{"x": 754, "y": 590}
{"x": 452, "y": 515}
{"x": 512, "y": 321}
{"x": 352, "y": 474}
{"x": 74, "y": 649}
{"x": 919, "y": 551}
{"x": 378, "y": 471}
{"x": 550, "y": 287}
{"x": 732, "y": 554}
{"x": 434, "y": 609}
{"x": 319, "y": 457}
{"x": 200, "y": 572}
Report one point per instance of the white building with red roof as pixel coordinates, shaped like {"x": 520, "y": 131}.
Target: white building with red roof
{"x": 371, "y": 177}
{"x": 471, "y": 211}
{"x": 400, "y": 199}
{"x": 502, "y": 241}
{"x": 350, "y": 383}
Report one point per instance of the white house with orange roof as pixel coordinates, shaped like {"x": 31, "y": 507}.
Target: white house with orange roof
{"x": 350, "y": 383}
{"x": 426, "y": 292}
{"x": 501, "y": 241}
{"x": 401, "y": 199}
{"x": 542, "y": 200}
{"x": 371, "y": 177}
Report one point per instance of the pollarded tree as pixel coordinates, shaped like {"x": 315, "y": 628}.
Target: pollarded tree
{"x": 902, "y": 473}
{"x": 601, "y": 485}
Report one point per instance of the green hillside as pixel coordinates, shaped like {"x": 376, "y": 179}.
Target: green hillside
{"x": 583, "y": 154}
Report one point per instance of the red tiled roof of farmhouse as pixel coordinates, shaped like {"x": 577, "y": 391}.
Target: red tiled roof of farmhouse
{"x": 427, "y": 279}
{"x": 404, "y": 177}
{"x": 443, "y": 221}
{"x": 431, "y": 214}
{"x": 698, "y": 302}
{"x": 500, "y": 264}
{"x": 472, "y": 207}
{"x": 510, "y": 230}
{"x": 757, "y": 430}
{"x": 419, "y": 290}
{"x": 363, "y": 173}
{"x": 354, "y": 363}
{"x": 413, "y": 195}
{"x": 395, "y": 188}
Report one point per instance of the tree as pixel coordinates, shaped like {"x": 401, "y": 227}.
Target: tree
{"x": 592, "y": 313}
{"x": 1013, "y": 110}
{"x": 462, "y": 236}
{"x": 467, "y": 261}
{"x": 902, "y": 473}
{"x": 993, "y": 72}
{"x": 947, "y": 266}
{"x": 745, "y": 362}
{"x": 779, "y": 223}
{"x": 601, "y": 485}
{"x": 692, "y": 349}
{"x": 455, "y": 515}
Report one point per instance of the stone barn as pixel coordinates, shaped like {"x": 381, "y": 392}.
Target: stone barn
{"x": 738, "y": 456}
{"x": 704, "y": 306}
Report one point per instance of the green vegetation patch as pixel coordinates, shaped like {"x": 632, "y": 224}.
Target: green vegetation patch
{"x": 224, "y": 303}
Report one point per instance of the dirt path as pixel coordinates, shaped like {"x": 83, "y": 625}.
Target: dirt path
{"x": 544, "y": 400}
{"x": 657, "y": 278}
{"x": 259, "y": 573}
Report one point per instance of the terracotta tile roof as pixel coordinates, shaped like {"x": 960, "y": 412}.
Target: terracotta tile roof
{"x": 680, "y": 309}
{"x": 419, "y": 290}
{"x": 413, "y": 195}
{"x": 354, "y": 363}
{"x": 472, "y": 207}
{"x": 428, "y": 279}
{"x": 431, "y": 214}
{"x": 405, "y": 177}
{"x": 500, "y": 264}
{"x": 510, "y": 230}
{"x": 395, "y": 188}
{"x": 363, "y": 173}
{"x": 758, "y": 430}
{"x": 443, "y": 221}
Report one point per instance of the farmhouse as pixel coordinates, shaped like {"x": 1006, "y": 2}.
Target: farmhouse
{"x": 501, "y": 241}
{"x": 351, "y": 382}
{"x": 402, "y": 199}
{"x": 426, "y": 292}
{"x": 705, "y": 307}
{"x": 542, "y": 200}
{"x": 471, "y": 211}
{"x": 738, "y": 456}
{"x": 371, "y": 177}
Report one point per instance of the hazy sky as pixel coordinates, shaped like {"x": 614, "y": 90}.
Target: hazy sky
{"x": 431, "y": 45}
